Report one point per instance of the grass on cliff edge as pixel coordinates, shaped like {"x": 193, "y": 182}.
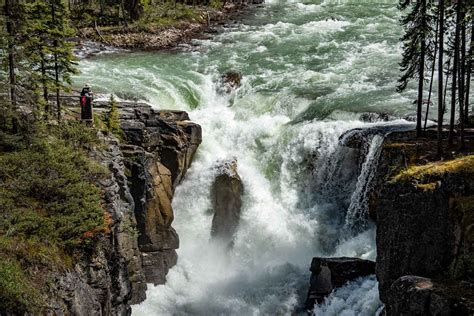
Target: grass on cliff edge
{"x": 50, "y": 207}
{"x": 463, "y": 164}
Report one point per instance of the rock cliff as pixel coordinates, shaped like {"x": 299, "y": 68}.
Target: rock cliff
{"x": 159, "y": 149}
{"x": 145, "y": 167}
{"x": 425, "y": 237}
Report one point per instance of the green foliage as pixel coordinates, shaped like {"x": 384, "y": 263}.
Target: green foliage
{"x": 113, "y": 119}
{"x": 215, "y": 4}
{"x": 51, "y": 207}
{"x": 167, "y": 14}
{"x": 17, "y": 295}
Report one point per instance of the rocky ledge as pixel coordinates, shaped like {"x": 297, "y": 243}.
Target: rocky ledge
{"x": 425, "y": 236}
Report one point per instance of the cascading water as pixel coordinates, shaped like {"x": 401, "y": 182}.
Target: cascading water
{"x": 357, "y": 218}
{"x": 308, "y": 69}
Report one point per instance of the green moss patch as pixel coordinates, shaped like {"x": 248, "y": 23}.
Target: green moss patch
{"x": 463, "y": 165}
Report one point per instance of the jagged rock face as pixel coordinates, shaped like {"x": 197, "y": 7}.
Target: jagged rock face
{"x": 424, "y": 228}
{"x": 413, "y": 295}
{"x": 140, "y": 247}
{"x": 330, "y": 273}
{"x": 226, "y": 197}
{"x": 161, "y": 145}
{"x": 108, "y": 278}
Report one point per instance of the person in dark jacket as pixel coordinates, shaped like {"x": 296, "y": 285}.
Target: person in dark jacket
{"x": 86, "y": 104}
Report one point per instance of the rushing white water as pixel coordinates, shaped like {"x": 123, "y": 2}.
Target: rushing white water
{"x": 357, "y": 217}
{"x": 357, "y": 298}
{"x": 308, "y": 69}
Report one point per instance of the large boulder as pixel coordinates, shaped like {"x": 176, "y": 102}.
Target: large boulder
{"x": 330, "y": 273}
{"x": 226, "y": 196}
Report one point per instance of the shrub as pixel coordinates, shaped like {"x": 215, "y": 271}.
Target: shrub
{"x": 50, "y": 207}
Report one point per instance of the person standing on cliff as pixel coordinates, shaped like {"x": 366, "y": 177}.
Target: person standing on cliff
{"x": 86, "y": 105}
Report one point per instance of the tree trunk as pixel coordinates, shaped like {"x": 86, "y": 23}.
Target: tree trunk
{"x": 440, "y": 78}
{"x": 56, "y": 67}
{"x": 122, "y": 6}
{"x": 421, "y": 74}
{"x": 455, "y": 74}
{"x": 102, "y": 5}
{"x": 432, "y": 76}
{"x": 462, "y": 76}
{"x": 45, "y": 88}
{"x": 468, "y": 75}
{"x": 11, "y": 62}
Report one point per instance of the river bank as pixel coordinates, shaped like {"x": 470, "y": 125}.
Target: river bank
{"x": 162, "y": 35}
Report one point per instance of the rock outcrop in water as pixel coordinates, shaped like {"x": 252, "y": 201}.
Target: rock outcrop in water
{"x": 226, "y": 197}
{"x": 159, "y": 150}
{"x": 425, "y": 223}
{"x": 330, "y": 273}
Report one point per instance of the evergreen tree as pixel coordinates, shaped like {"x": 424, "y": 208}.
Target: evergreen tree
{"x": 10, "y": 16}
{"x": 113, "y": 119}
{"x": 440, "y": 76}
{"x": 60, "y": 32}
{"x": 455, "y": 76}
{"x": 416, "y": 28}
{"x": 37, "y": 46}
{"x": 469, "y": 66}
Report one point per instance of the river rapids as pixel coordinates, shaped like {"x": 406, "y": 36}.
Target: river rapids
{"x": 309, "y": 69}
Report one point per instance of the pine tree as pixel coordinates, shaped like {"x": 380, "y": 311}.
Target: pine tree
{"x": 10, "y": 6}
{"x": 454, "y": 86}
{"x": 113, "y": 119}
{"x": 414, "y": 50}
{"x": 37, "y": 46}
{"x": 440, "y": 76}
{"x": 469, "y": 66}
{"x": 60, "y": 32}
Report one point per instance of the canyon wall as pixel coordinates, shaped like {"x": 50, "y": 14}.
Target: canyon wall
{"x": 425, "y": 230}
{"x": 140, "y": 247}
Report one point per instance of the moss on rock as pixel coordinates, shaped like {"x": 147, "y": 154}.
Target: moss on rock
{"x": 463, "y": 165}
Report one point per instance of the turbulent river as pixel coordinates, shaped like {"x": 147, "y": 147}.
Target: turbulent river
{"x": 309, "y": 70}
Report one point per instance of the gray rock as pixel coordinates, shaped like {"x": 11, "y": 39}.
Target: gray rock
{"x": 159, "y": 150}
{"x": 226, "y": 197}
{"x": 330, "y": 273}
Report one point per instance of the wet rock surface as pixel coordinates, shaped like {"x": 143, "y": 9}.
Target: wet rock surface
{"x": 226, "y": 197}
{"x": 231, "y": 80}
{"x": 159, "y": 149}
{"x": 330, "y": 273}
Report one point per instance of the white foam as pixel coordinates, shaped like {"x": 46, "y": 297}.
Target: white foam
{"x": 357, "y": 298}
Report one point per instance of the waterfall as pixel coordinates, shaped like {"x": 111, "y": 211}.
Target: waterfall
{"x": 357, "y": 213}
{"x": 306, "y": 78}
